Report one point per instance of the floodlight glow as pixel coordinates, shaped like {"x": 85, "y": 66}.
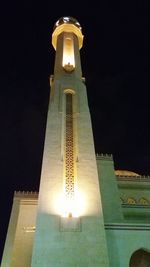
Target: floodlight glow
{"x": 70, "y": 207}
{"x": 68, "y": 62}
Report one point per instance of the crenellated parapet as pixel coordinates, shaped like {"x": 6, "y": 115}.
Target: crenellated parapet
{"x": 102, "y": 156}
{"x": 26, "y": 194}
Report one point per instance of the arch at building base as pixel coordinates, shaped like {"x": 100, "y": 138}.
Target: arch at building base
{"x": 140, "y": 258}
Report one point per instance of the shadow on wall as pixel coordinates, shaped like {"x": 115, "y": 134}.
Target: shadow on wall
{"x": 140, "y": 258}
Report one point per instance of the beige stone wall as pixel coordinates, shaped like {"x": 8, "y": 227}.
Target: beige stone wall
{"x": 52, "y": 246}
{"x": 18, "y": 246}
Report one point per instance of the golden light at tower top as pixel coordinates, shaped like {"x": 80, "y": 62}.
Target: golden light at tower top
{"x": 67, "y": 24}
{"x": 69, "y": 27}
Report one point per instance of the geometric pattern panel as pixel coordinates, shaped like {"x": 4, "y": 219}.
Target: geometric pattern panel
{"x": 69, "y": 149}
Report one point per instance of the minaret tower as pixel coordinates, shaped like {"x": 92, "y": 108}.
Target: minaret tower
{"x": 69, "y": 228}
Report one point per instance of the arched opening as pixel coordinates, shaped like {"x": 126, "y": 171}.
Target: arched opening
{"x": 140, "y": 258}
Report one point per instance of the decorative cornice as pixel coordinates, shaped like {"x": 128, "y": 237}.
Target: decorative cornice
{"x": 127, "y": 226}
{"x": 132, "y": 201}
{"x": 141, "y": 178}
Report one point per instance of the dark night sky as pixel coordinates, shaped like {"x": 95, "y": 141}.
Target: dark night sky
{"x": 116, "y": 63}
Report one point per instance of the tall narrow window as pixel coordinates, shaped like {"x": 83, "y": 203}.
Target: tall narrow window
{"x": 68, "y": 52}
{"x": 73, "y": 203}
{"x": 69, "y": 155}
{"x": 69, "y": 167}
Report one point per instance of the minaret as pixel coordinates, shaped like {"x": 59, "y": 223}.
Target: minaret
{"x": 69, "y": 228}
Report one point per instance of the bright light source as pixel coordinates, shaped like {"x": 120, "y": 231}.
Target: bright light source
{"x": 68, "y": 62}
{"x": 70, "y": 207}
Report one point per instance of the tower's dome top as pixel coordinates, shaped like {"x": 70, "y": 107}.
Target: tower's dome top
{"x": 67, "y": 24}
{"x": 67, "y": 20}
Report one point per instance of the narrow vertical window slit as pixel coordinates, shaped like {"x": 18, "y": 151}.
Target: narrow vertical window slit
{"x": 69, "y": 149}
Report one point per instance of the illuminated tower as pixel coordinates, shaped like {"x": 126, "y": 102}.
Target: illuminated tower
{"x": 70, "y": 227}
{"x": 64, "y": 225}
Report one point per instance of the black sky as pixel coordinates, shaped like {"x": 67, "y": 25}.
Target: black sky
{"x": 116, "y": 63}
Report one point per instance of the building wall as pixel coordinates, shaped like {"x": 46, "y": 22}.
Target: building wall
{"x": 125, "y": 235}
{"x": 123, "y": 240}
{"x": 19, "y": 241}
{"x": 135, "y": 196}
{"x": 111, "y": 202}
{"x": 126, "y": 208}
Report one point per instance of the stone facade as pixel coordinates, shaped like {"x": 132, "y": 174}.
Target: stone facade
{"x": 21, "y": 230}
{"x": 113, "y": 211}
{"x": 126, "y": 209}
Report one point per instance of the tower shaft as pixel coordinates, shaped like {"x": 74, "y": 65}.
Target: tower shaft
{"x": 70, "y": 227}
